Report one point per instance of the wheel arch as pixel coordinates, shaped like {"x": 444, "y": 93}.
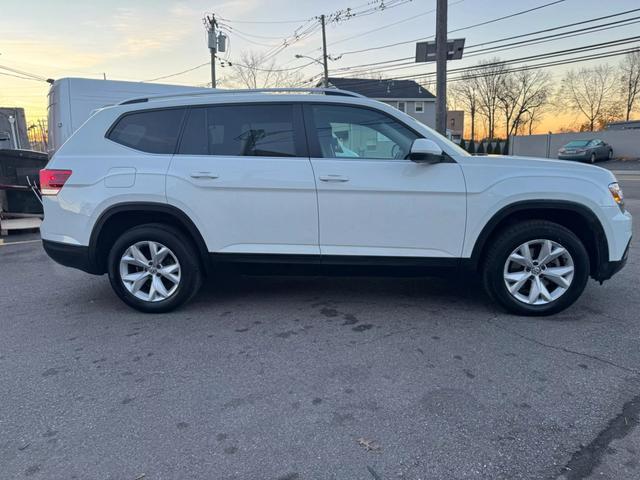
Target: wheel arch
{"x": 120, "y": 217}
{"x": 578, "y": 218}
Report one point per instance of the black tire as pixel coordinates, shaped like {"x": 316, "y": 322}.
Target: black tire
{"x": 181, "y": 247}
{"x": 507, "y": 240}
{"x": 592, "y": 158}
{"x": 610, "y": 155}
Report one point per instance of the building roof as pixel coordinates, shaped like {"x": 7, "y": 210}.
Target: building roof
{"x": 629, "y": 124}
{"x": 382, "y": 88}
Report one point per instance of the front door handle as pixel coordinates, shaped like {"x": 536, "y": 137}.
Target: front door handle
{"x": 333, "y": 178}
{"x": 203, "y": 175}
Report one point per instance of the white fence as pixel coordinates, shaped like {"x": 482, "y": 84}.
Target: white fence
{"x": 625, "y": 143}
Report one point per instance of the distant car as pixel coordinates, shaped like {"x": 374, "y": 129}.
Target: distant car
{"x": 586, "y": 151}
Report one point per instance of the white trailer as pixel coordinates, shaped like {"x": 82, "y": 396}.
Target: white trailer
{"x": 73, "y": 100}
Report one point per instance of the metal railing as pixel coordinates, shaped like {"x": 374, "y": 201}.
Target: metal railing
{"x": 324, "y": 91}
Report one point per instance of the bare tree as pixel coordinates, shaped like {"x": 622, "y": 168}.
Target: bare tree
{"x": 522, "y": 92}
{"x": 465, "y": 93}
{"x": 255, "y": 70}
{"x": 533, "y": 117}
{"x": 489, "y": 78}
{"x": 589, "y": 91}
{"x": 630, "y": 81}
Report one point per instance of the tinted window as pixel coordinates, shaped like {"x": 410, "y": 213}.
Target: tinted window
{"x": 352, "y": 132}
{"x": 240, "y": 130}
{"x": 154, "y": 131}
{"x": 577, "y": 143}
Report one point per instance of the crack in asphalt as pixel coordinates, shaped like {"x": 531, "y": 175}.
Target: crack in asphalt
{"x": 588, "y": 457}
{"x": 563, "y": 349}
{"x": 584, "y": 461}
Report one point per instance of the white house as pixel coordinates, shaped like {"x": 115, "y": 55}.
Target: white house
{"x": 405, "y": 95}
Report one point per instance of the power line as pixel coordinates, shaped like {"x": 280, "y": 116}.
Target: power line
{"x": 389, "y": 25}
{"x": 264, "y": 21}
{"x": 546, "y": 30}
{"x": 522, "y": 12}
{"x": 178, "y": 73}
{"x": 510, "y": 46}
{"x": 18, "y": 76}
{"x": 478, "y": 68}
{"x": 558, "y": 36}
{"x": 247, "y": 34}
{"x": 584, "y": 58}
{"x": 22, "y": 72}
{"x": 391, "y": 63}
{"x": 234, "y": 63}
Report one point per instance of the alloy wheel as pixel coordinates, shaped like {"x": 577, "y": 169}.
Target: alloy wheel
{"x": 150, "y": 271}
{"x": 538, "y": 272}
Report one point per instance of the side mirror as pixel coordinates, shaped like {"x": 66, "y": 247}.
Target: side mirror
{"x": 425, "y": 151}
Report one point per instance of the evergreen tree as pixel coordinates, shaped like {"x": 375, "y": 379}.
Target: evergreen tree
{"x": 490, "y": 148}
{"x": 471, "y": 148}
{"x": 480, "y": 150}
{"x": 505, "y": 150}
{"x": 463, "y": 144}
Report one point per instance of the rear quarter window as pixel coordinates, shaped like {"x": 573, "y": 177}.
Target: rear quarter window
{"x": 153, "y": 131}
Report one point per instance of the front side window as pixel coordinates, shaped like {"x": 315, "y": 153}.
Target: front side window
{"x": 240, "y": 130}
{"x": 152, "y": 131}
{"x": 352, "y": 132}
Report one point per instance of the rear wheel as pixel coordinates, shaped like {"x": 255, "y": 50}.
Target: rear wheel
{"x": 154, "y": 268}
{"x": 610, "y": 156}
{"x": 536, "y": 268}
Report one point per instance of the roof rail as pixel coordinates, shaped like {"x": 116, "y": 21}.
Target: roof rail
{"x": 325, "y": 91}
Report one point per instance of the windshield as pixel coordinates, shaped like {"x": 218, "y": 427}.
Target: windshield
{"x": 577, "y": 143}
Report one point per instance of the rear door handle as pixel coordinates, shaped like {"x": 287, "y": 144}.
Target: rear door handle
{"x": 333, "y": 178}
{"x": 203, "y": 175}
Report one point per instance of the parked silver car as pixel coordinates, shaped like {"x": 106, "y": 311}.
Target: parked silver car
{"x": 586, "y": 151}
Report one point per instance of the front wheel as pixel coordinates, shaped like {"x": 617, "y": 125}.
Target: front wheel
{"x": 610, "y": 156}
{"x": 592, "y": 158}
{"x": 154, "y": 268}
{"x": 536, "y": 268}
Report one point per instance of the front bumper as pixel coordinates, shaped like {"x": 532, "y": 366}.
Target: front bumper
{"x": 608, "y": 269}
{"x": 74, "y": 256}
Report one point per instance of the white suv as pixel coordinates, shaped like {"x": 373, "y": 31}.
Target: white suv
{"x": 159, "y": 192}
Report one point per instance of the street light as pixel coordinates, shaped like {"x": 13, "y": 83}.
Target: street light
{"x": 310, "y": 58}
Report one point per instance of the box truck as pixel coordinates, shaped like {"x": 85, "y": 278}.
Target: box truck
{"x": 73, "y": 100}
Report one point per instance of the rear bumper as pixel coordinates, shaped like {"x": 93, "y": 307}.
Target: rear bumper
{"x": 74, "y": 256}
{"x": 609, "y": 269}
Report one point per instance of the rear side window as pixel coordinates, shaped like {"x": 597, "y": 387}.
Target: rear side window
{"x": 240, "y": 130}
{"x": 153, "y": 131}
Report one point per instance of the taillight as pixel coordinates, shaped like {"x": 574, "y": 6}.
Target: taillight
{"x": 51, "y": 181}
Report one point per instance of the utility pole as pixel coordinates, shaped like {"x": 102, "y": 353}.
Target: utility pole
{"x": 324, "y": 54}
{"x": 212, "y": 39}
{"x": 441, "y": 66}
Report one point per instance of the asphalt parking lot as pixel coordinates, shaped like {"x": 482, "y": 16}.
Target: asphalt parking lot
{"x": 314, "y": 378}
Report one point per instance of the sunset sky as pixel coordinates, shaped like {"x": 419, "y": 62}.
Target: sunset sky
{"x": 147, "y": 39}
